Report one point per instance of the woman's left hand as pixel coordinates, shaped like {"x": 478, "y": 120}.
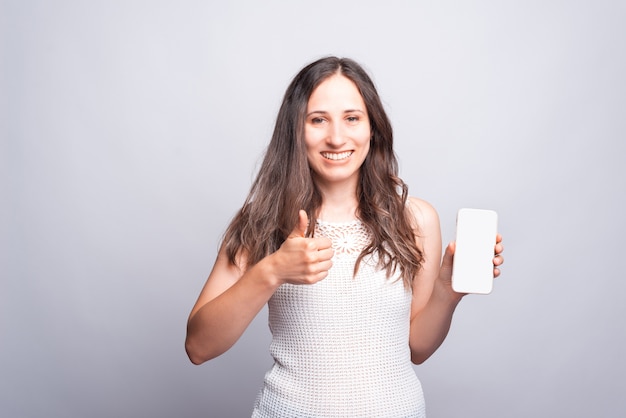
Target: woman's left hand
{"x": 445, "y": 272}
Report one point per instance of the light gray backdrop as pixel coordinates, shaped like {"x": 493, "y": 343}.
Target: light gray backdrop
{"x": 131, "y": 131}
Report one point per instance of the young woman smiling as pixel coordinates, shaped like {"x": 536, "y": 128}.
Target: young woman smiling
{"x": 350, "y": 266}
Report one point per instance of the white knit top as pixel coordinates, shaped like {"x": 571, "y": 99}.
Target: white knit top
{"x": 341, "y": 346}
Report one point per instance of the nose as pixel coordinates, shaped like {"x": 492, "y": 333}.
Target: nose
{"x": 335, "y": 136}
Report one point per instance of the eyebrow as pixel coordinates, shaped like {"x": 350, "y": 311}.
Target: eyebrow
{"x": 324, "y": 112}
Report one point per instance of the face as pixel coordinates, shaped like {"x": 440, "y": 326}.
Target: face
{"x": 337, "y": 131}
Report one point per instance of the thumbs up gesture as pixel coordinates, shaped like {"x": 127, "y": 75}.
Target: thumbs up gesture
{"x": 301, "y": 260}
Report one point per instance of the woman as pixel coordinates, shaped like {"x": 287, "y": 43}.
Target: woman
{"x": 347, "y": 262}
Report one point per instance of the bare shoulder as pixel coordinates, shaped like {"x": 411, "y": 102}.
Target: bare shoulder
{"x": 424, "y": 215}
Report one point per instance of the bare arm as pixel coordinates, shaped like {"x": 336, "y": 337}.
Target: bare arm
{"x": 232, "y": 297}
{"x": 227, "y": 304}
{"x": 434, "y": 301}
{"x": 430, "y": 326}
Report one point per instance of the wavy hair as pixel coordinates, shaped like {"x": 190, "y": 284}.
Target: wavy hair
{"x": 284, "y": 183}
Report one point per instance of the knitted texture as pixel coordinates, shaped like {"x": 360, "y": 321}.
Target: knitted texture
{"x": 340, "y": 346}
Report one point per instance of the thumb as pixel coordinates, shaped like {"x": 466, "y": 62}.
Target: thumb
{"x": 448, "y": 256}
{"x": 301, "y": 226}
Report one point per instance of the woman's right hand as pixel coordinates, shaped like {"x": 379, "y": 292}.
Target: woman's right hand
{"x": 232, "y": 297}
{"x": 301, "y": 260}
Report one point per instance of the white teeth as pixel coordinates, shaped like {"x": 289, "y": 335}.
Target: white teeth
{"x": 336, "y": 155}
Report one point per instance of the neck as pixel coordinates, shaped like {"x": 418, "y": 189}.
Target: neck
{"x": 339, "y": 203}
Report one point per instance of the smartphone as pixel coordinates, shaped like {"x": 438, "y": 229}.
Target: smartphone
{"x": 472, "y": 268}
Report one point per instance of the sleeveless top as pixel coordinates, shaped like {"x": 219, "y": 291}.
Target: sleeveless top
{"x": 341, "y": 346}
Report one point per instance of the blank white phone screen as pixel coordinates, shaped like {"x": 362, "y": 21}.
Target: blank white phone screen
{"x": 472, "y": 269}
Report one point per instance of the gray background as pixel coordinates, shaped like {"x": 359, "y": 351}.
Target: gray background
{"x": 131, "y": 131}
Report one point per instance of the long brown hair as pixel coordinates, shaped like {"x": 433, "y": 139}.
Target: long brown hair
{"x": 284, "y": 183}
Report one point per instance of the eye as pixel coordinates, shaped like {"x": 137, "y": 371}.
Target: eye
{"x": 352, "y": 119}
{"x": 317, "y": 120}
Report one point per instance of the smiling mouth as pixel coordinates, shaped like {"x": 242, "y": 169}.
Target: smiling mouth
{"x": 335, "y": 156}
